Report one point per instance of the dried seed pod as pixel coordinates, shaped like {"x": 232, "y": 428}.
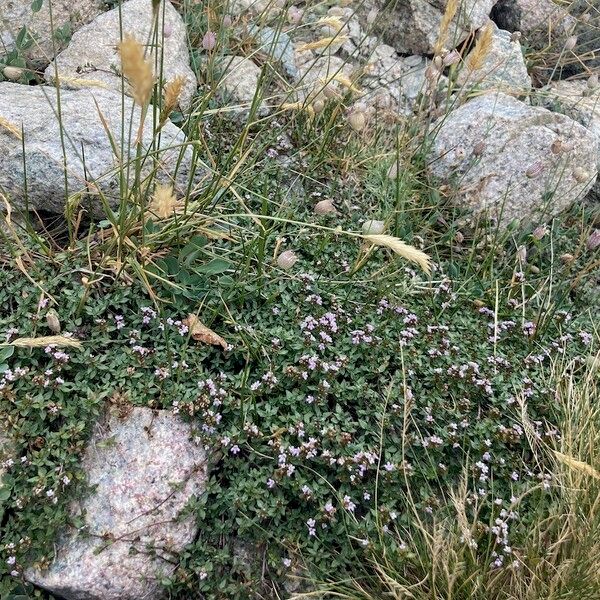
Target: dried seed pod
{"x": 392, "y": 172}
{"x": 451, "y": 58}
{"x": 438, "y": 63}
{"x": 331, "y": 91}
{"x": 286, "y": 260}
{"x": 593, "y": 241}
{"x": 557, "y": 147}
{"x": 535, "y": 170}
{"x": 478, "y": 148}
{"x": 372, "y": 227}
{"x": 12, "y": 73}
{"x": 515, "y": 36}
{"x": 357, "y": 120}
{"x": 581, "y": 175}
{"x": 459, "y": 238}
{"x": 53, "y": 321}
{"x": 325, "y": 207}
{"x": 571, "y": 42}
{"x": 567, "y": 258}
{"x": 318, "y": 105}
{"x": 539, "y": 232}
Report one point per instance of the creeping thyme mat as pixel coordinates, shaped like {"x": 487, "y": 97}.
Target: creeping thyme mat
{"x": 342, "y": 408}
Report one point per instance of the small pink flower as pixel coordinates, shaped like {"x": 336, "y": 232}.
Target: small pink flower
{"x": 209, "y": 41}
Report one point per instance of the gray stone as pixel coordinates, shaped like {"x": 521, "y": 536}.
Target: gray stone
{"x": 239, "y": 85}
{"x": 317, "y": 75}
{"x": 578, "y": 101}
{"x": 264, "y": 8}
{"x": 502, "y": 157}
{"x": 91, "y": 164}
{"x": 144, "y": 468}
{"x": 91, "y": 57}
{"x": 412, "y": 26}
{"x": 67, "y": 16}
{"x": 503, "y": 68}
{"x": 278, "y": 46}
{"x": 401, "y": 79}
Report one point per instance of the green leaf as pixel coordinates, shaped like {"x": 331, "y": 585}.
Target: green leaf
{"x": 36, "y": 5}
{"x": 189, "y": 253}
{"x": 6, "y": 352}
{"x": 215, "y": 267}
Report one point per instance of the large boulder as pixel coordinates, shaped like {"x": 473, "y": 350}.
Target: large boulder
{"x": 512, "y": 161}
{"x": 143, "y": 469}
{"x": 37, "y": 180}
{"x": 413, "y": 26}
{"x": 92, "y": 53}
{"x": 580, "y": 102}
{"x": 67, "y": 17}
{"x": 502, "y": 67}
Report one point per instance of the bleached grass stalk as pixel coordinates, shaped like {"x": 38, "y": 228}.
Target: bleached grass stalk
{"x": 41, "y": 342}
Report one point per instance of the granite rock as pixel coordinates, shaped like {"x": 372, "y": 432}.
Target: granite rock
{"x": 412, "y": 26}
{"x": 503, "y": 67}
{"x": 67, "y": 16}
{"x": 91, "y": 164}
{"x": 91, "y": 58}
{"x": 143, "y": 468}
{"x": 512, "y": 161}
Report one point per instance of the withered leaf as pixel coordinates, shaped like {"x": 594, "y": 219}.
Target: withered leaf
{"x": 201, "y": 333}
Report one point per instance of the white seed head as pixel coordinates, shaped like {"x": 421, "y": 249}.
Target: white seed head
{"x": 318, "y": 105}
{"x": 53, "y": 321}
{"x": 325, "y": 207}
{"x": 357, "y": 120}
{"x": 372, "y": 227}
{"x": 571, "y": 42}
{"x": 581, "y": 175}
{"x": 286, "y": 260}
{"x": 12, "y": 73}
{"x": 392, "y": 172}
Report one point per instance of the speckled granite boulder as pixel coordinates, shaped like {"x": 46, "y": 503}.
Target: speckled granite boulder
{"x": 412, "y": 26}
{"x": 67, "y": 16}
{"x": 503, "y": 67}
{"x": 514, "y": 161}
{"x": 238, "y": 86}
{"x": 578, "y": 101}
{"x": 92, "y": 52}
{"x": 145, "y": 467}
{"x": 34, "y": 110}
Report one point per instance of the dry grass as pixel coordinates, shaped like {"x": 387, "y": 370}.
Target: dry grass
{"x": 137, "y": 69}
{"x": 482, "y": 47}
